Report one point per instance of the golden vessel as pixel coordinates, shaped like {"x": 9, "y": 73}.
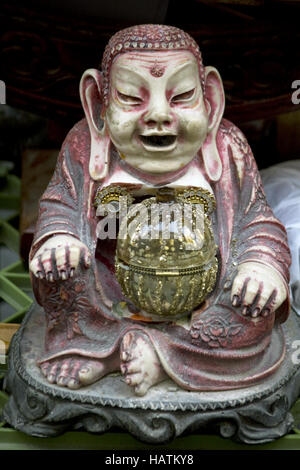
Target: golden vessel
{"x": 166, "y": 259}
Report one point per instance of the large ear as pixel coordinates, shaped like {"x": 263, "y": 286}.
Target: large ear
{"x": 215, "y": 100}
{"x": 91, "y": 99}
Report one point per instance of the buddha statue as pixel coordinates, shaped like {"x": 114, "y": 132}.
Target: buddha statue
{"x": 203, "y": 309}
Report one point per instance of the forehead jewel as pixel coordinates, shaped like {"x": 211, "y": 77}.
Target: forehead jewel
{"x": 147, "y": 37}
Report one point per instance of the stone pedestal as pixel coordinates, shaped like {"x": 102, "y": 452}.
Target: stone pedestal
{"x": 252, "y": 415}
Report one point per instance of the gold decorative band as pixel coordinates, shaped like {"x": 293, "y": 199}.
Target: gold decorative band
{"x": 197, "y": 196}
{"x": 112, "y": 194}
{"x": 164, "y": 272}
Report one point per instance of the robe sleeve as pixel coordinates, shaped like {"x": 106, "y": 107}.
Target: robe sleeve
{"x": 63, "y": 205}
{"x": 253, "y": 233}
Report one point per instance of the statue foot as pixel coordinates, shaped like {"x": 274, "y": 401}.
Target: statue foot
{"x": 76, "y": 371}
{"x": 140, "y": 365}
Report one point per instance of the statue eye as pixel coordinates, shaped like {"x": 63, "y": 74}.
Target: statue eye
{"x": 129, "y": 99}
{"x": 187, "y": 95}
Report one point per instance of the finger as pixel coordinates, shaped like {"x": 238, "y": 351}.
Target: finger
{"x": 263, "y": 300}
{"x": 239, "y": 287}
{"x": 265, "y": 312}
{"x": 246, "y": 310}
{"x": 50, "y": 276}
{"x": 68, "y": 266}
{"x": 60, "y": 255}
{"x": 41, "y": 273}
{"x": 46, "y": 261}
{"x": 236, "y": 301}
{"x": 63, "y": 262}
{"x": 252, "y": 293}
{"x": 54, "y": 275}
{"x": 256, "y": 312}
{"x": 271, "y": 304}
{"x": 86, "y": 257}
{"x": 74, "y": 257}
{"x": 244, "y": 291}
{"x": 36, "y": 267}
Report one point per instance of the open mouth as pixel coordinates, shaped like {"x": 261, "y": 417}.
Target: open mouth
{"x": 159, "y": 142}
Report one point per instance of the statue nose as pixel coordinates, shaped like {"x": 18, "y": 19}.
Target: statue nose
{"x": 159, "y": 113}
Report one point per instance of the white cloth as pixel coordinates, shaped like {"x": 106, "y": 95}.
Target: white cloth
{"x": 282, "y": 187}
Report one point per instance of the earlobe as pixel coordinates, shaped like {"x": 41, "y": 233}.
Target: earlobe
{"x": 215, "y": 103}
{"x": 214, "y": 94}
{"x": 91, "y": 95}
{"x": 91, "y": 98}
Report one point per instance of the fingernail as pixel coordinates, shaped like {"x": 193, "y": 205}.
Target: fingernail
{"x": 124, "y": 356}
{"x": 72, "y": 383}
{"x": 245, "y": 310}
{"x": 265, "y": 312}
{"x": 61, "y": 381}
{"x": 63, "y": 275}
{"x": 72, "y": 272}
{"x": 235, "y": 300}
{"x": 256, "y": 312}
{"x": 50, "y": 277}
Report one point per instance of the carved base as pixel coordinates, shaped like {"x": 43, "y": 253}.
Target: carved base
{"x": 257, "y": 414}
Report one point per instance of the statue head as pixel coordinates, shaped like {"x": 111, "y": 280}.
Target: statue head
{"x": 155, "y": 101}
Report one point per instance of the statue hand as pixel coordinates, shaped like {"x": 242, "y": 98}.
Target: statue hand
{"x": 58, "y": 258}
{"x": 258, "y": 289}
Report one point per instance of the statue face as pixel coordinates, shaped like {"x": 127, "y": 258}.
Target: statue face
{"x": 156, "y": 115}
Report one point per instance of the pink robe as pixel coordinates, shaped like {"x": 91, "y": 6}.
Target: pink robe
{"x": 230, "y": 350}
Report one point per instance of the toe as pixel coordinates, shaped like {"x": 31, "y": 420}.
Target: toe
{"x": 126, "y": 346}
{"x": 73, "y": 384}
{"x": 125, "y": 356}
{"x": 52, "y": 373}
{"x": 133, "y": 379}
{"x": 133, "y": 367}
{"x": 127, "y": 340}
{"x": 141, "y": 389}
{"x": 63, "y": 376}
{"x": 62, "y": 381}
{"x": 91, "y": 372}
{"x": 45, "y": 368}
